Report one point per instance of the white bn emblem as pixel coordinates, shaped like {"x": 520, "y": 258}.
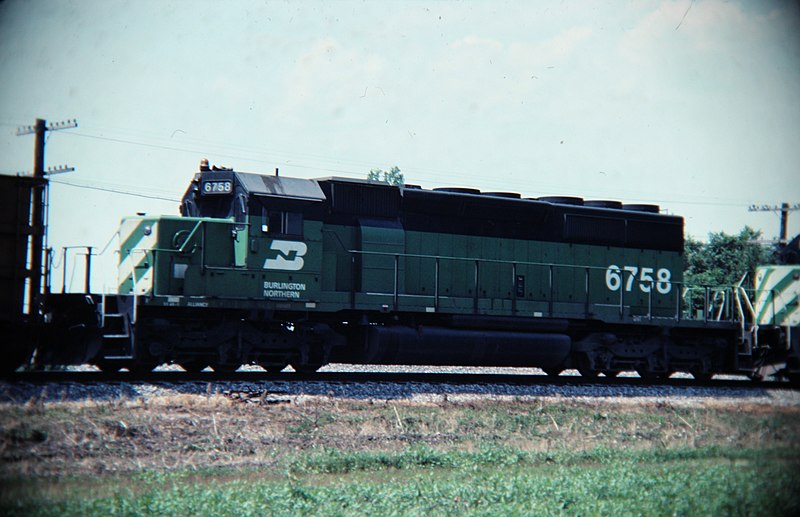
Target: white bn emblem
{"x": 290, "y": 256}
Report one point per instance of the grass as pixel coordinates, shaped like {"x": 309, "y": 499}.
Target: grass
{"x": 213, "y": 456}
{"x": 420, "y": 480}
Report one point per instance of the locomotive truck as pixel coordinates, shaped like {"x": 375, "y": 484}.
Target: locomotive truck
{"x": 277, "y": 271}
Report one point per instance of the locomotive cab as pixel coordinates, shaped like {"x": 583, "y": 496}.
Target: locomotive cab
{"x": 246, "y": 248}
{"x": 268, "y": 204}
{"x": 273, "y": 227}
{"x": 215, "y": 194}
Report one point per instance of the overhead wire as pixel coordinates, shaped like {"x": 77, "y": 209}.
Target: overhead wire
{"x": 250, "y": 150}
{"x": 115, "y": 191}
{"x": 295, "y": 160}
{"x": 262, "y": 155}
{"x": 203, "y": 151}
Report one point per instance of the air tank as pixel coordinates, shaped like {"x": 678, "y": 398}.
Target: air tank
{"x": 464, "y": 347}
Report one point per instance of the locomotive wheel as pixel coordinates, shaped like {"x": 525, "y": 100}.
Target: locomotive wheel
{"x": 225, "y": 367}
{"x": 109, "y": 366}
{"x": 15, "y": 357}
{"x": 585, "y": 368}
{"x": 140, "y": 368}
{"x": 553, "y": 372}
{"x": 700, "y": 374}
{"x": 306, "y": 368}
{"x": 313, "y": 361}
{"x": 193, "y": 366}
{"x": 755, "y": 376}
{"x": 274, "y": 367}
{"x": 647, "y": 374}
{"x": 611, "y": 373}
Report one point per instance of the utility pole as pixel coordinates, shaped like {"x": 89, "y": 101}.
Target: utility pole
{"x": 39, "y": 202}
{"x": 784, "y": 209}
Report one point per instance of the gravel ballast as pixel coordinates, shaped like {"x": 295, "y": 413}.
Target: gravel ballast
{"x": 301, "y": 392}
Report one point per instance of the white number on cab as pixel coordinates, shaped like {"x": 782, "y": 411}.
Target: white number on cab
{"x": 642, "y": 276}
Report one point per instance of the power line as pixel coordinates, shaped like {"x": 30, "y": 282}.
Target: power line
{"x": 545, "y": 189}
{"x": 116, "y": 191}
{"x": 225, "y": 146}
{"x": 202, "y": 151}
{"x": 39, "y": 214}
{"x": 784, "y": 210}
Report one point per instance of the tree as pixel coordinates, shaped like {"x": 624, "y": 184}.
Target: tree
{"x": 724, "y": 259}
{"x": 393, "y": 177}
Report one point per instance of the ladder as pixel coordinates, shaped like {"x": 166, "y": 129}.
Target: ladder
{"x": 117, "y": 337}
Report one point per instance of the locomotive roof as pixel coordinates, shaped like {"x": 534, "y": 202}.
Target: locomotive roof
{"x": 471, "y": 212}
{"x": 456, "y": 211}
{"x": 310, "y": 190}
{"x": 279, "y": 186}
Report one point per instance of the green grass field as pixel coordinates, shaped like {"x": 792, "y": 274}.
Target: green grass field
{"x": 419, "y": 480}
{"x": 213, "y": 457}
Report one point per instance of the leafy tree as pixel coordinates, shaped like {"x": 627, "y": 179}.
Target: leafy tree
{"x": 724, "y": 259}
{"x": 392, "y": 177}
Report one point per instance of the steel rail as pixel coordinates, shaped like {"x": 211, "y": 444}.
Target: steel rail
{"x": 461, "y": 379}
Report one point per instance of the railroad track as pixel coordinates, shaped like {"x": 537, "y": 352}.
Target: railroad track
{"x": 460, "y": 379}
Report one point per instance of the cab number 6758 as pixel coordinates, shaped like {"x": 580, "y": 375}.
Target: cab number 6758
{"x": 628, "y": 276}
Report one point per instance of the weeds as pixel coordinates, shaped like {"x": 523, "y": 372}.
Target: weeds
{"x": 210, "y": 456}
{"x": 494, "y": 481}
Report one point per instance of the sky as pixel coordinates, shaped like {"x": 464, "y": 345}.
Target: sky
{"x": 692, "y": 105}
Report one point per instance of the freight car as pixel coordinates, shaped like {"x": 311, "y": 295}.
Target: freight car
{"x": 277, "y": 271}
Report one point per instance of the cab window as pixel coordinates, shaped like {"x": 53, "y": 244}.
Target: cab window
{"x": 240, "y": 211}
{"x": 281, "y": 222}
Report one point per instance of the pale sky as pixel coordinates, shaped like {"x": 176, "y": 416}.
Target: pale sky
{"x": 690, "y": 105}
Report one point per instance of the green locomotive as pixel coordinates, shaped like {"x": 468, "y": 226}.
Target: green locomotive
{"x": 269, "y": 270}
{"x": 277, "y": 271}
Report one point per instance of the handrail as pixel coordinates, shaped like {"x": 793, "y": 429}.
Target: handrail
{"x": 685, "y": 299}
{"x": 103, "y": 310}
{"x": 189, "y": 237}
{"x": 751, "y": 309}
{"x": 135, "y": 296}
{"x": 720, "y": 294}
{"x": 191, "y": 234}
{"x": 748, "y": 304}
{"x": 684, "y": 304}
{"x": 513, "y": 264}
{"x": 473, "y": 259}
{"x": 739, "y": 311}
{"x": 718, "y": 303}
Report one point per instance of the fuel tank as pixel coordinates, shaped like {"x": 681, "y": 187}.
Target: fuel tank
{"x": 463, "y": 347}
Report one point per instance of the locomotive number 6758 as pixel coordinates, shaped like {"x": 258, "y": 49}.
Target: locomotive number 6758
{"x": 642, "y": 276}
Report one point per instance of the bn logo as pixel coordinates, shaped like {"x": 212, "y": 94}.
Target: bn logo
{"x": 290, "y": 256}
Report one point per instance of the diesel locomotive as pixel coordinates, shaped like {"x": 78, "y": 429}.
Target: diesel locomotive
{"x": 277, "y": 271}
